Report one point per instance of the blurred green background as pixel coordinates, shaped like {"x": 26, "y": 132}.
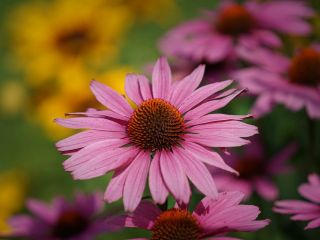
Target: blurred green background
{"x": 27, "y": 148}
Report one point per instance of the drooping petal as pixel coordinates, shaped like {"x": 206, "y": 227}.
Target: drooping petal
{"x": 207, "y": 156}
{"x": 157, "y": 186}
{"x": 104, "y": 162}
{"x": 173, "y": 175}
{"x": 198, "y": 173}
{"x": 136, "y": 181}
{"x": 115, "y": 187}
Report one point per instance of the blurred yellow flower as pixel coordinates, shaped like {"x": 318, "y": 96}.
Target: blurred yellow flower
{"x": 12, "y": 97}
{"x": 12, "y": 195}
{"x": 74, "y": 96}
{"x": 50, "y": 37}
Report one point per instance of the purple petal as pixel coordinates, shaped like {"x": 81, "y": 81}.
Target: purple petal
{"x": 90, "y": 123}
{"x": 186, "y": 86}
{"x": 85, "y": 138}
{"x": 157, "y": 186}
{"x": 115, "y": 187}
{"x": 90, "y": 151}
{"x": 206, "y": 156}
{"x": 136, "y": 181}
{"x": 211, "y": 106}
{"x": 201, "y": 94}
{"x": 104, "y": 162}
{"x": 198, "y": 174}
{"x": 111, "y": 99}
{"x": 173, "y": 175}
{"x": 161, "y": 79}
{"x": 41, "y": 210}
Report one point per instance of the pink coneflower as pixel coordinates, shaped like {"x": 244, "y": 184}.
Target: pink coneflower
{"x": 256, "y": 170}
{"x": 232, "y": 26}
{"x": 293, "y": 82}
{"x": 211, "y": 218}
{"x": 170, "y": 125}
{"x": 79, "y": 220}
{"x": 304, "y": 210}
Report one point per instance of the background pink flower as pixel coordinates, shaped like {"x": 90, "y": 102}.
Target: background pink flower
{"x": 211, "y": 219}
{"x": 79, "y": 220}
{"x": 293, "y": 82}
{"x": 222, "y": 33}
{"x": 255, "y": 169}
{"x": 304, "y": 210}
{"x": 171, "y": 126}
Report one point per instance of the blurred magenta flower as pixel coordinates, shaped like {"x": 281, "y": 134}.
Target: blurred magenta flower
{"x": 304, "y": 210}
{"x": 79, "y": 220}
{"x": 214, "y": 72}
{"x": 171, "y": 125}
{"x": 211, "y": 218}
{"x": 255, "y": 169}
{"x": 232, "y": 26}
{"x": 293, "y": 82}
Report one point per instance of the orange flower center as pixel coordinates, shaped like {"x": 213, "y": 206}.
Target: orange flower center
{"x": 305, "y": 67}
{"x": 235, "y": 20}
{"x": 70, "y": 223}
{"x": 74, "y": 42}
{"x": 155, "y": 125}
{"x": 176, "y": 224}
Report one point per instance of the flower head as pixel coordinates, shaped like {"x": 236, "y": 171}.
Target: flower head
{"x": 211, "y": 218}
{"x": 255, "y": 170}
{"x": 64, "y": 220}
{"x": 236, "y": 28}
{"x": 51, "y": 37}
{"x": 167, "y": 136}
{"x": 293, "y": 82}
{"x": 304, "y": 210}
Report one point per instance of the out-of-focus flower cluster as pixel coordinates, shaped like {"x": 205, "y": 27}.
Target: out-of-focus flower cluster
{"x": 163, "y": 139}
{"x": 62, "y": 45}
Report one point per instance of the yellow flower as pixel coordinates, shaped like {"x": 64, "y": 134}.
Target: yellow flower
{"x": 12, "y": 97}
{"x": 51, "y": 37}
{"x": 75, "y": 96}
{"x": 12, "y": 195}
